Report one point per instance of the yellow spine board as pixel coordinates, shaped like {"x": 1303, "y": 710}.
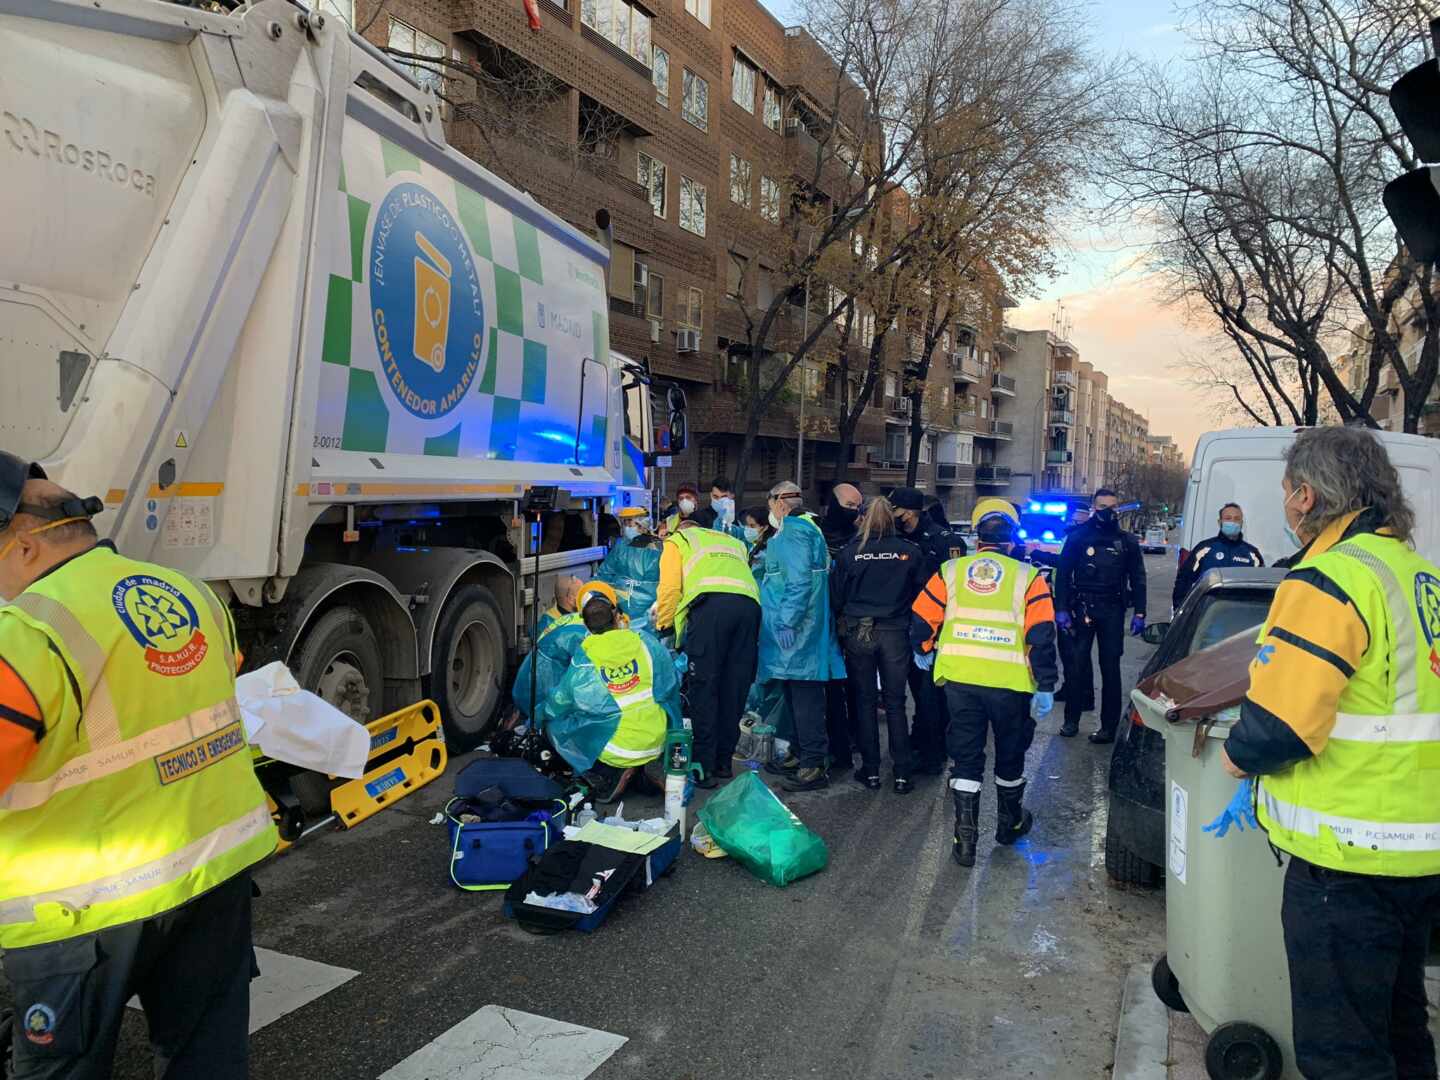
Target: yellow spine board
{"x": 407, "y": 751}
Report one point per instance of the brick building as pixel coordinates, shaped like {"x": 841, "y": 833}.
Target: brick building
{"x": 694, "y": 124}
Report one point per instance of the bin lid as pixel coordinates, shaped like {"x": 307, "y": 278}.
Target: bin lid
{"x": 1204, "y": 683}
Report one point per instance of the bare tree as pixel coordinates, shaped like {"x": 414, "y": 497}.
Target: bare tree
{"x": 1261, "y": 164}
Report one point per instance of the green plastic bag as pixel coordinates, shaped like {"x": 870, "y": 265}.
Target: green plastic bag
{"x": 754, "y": 827}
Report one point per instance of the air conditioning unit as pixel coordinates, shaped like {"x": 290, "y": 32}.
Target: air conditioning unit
{"x": 792, "y": 125}
{"x": 902, "y": 406}
{"x": 687, "y": 341}
{"x": 655, "y": 331}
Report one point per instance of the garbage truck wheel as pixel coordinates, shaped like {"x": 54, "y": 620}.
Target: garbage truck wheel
{"x": 1166, "y": 986}
{"x": 1123, "y": 865}
{"x": 1241, "y": 1051}
{"x": 468, "y": 665}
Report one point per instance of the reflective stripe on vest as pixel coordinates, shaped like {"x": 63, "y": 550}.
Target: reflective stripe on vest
{"x": 140, "y": 879}
{"x": 1369, "y": 801}
{"x": 639, "y": 734}
{"x": 141, "y": 796}
{"x": 714, "y": 563}
{"x": 982, "y": 638}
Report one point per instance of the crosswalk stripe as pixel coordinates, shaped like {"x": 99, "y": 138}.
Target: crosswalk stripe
{"x": 497, "y": 1043}
{"x": 286, "y": 983}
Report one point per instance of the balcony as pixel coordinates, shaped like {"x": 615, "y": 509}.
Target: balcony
{"x": 954, "y": 474}
{"x": 966, "y": 420}
{"x": 966, "y": 367}
{"x": 898, "y": 411}
{"x": 1007, "y": 342}
{"x": 1062, "y": 418}
{"x": 1002, "y": 384}
{"x": 995, "y": 429}
{"x": 992, "y": 475}
{"x": 1065, "y": 378}
{"x": 1058, "y": 457}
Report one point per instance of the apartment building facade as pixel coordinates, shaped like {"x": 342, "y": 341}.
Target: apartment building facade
{"x": 1126, "y": 435}
{"x": 1388, "y": 406}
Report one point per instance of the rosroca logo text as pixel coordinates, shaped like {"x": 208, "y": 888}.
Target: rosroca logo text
{"x": 27, "y": 137}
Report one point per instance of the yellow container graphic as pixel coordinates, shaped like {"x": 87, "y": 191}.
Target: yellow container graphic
{"x": 432, "y": 304}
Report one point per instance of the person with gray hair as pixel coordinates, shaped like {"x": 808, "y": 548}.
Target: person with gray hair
{"x": 798, "y": 646}
{"x": 1341, "y": 725}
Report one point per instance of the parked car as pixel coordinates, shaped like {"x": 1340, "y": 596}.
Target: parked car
{"x": 1155, "y": 541}
{"x": 1222, "y": 604}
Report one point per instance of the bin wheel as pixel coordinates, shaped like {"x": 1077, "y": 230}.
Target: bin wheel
{"x": 1241, "y": 1051}
{"x": 1166, "y": 986}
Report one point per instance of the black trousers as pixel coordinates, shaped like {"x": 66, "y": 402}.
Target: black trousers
{"x": 927, "y": 732}
{"x": 886, "y": 657}
{"x": 722, "y": 641}
{"x": 1108, "y": 628}
{"x": 840, "y": 711}
{"x": 1357, "y": 947}
{"x": 191, "y": 967}
{"x": 806, "y": 699}
{"x": 977, "y": 710}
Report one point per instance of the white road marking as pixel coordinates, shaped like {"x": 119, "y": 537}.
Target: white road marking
{"x": 286, "y": 983}
{"x": 497, "y": 1043}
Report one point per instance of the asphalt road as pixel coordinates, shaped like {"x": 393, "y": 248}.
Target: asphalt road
{"x": 891, "y": 963}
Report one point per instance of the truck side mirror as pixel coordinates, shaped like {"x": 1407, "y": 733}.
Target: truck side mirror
{"x": 679, "y": 422}
{"x": 1154, "y": 633}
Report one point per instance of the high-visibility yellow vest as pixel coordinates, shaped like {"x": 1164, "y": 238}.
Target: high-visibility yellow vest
{"x": 142, "y": 795}
{"x": 624, "y": 664}
{"x": 982, "y": 641}
{"x": 1369, "y": 802}
{"x": 714, "y": 563}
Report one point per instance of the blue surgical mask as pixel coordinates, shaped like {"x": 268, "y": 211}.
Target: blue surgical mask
{"x": 1293, "y": 536}
{"x": 752, "y": 533}
{"x": 630, "y": 531}
{"x": 1230, "y": 529}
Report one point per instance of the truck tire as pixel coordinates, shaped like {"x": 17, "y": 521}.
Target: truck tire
{"x": 339, "y": 660}
{"x": 1122, "y": 865}
{"x": 467, "y": 666}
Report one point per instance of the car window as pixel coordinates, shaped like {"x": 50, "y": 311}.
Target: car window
{"x": 1224, "y": 616}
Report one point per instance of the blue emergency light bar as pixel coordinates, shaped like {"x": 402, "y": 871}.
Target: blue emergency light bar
{"x": 1056, "y": 509}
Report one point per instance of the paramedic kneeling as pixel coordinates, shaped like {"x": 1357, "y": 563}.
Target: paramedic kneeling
{"x": 129, "y": 810}
{"x": 1342, "y": 725}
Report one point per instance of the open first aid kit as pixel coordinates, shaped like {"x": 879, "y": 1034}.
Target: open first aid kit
{"x": 504, "y": 813}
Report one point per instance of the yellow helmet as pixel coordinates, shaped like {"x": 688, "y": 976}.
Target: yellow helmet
{"x": 596, "y": 588}
{"x": 985, "y": 507}
{"x": 626, "y": 513}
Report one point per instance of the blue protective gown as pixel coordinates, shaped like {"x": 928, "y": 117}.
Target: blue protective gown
{"x": 551, "y": 659}
{"x": 795, "y": 595}
{"x": 634, "y": 573}
{"x": 580, "y": 716}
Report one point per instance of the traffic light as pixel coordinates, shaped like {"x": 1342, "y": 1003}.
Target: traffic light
{"x": 1413, "y": 200}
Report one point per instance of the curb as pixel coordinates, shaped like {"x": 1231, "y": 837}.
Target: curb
{"x": 1142, "y": 1040}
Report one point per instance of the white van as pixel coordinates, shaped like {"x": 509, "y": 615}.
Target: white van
{"x": 1244, "y": 465}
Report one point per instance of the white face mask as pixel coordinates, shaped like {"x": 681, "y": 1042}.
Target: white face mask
{"x": 751, "y": 533}
{"x": 1290, "y": 532}
{"x": 687, "y": 506}
{"x": 774, "y": 521}
{"x": 631, "y": 531}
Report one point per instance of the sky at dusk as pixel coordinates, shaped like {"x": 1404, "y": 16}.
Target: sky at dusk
{"x": 1116, "y": 318}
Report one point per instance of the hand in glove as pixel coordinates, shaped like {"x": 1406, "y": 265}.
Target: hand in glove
{"x": 925, "y": 660}
{"x": 1063, "y": 620}
{"x": 785, "y": 638}
{"x": 1041, "y": 703}
{"x": 1137, "y": 625}
{"x": 1240, "y": 811}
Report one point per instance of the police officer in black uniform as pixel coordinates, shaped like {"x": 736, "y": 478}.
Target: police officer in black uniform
{"x": 1101, "y": 575}
{"x": 1226, "y": 548}
{"x": 938, "y": 544}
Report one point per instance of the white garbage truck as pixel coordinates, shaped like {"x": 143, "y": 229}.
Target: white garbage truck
{"x": 302, "y": 348}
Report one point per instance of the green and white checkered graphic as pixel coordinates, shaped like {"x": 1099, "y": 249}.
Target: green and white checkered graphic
{"x": 523, "y": 402}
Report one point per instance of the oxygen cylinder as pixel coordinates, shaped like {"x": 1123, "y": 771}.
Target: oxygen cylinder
{"x": 678, "y": 769}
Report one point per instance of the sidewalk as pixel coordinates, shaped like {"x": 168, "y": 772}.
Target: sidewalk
{"x": 1137, "y": 1044}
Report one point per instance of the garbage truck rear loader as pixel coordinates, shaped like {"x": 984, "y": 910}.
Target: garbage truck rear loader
{"x": 303, "y": 349}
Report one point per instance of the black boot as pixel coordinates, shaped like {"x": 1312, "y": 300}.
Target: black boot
{"x": 967, "y": 826}
{"x": 1012, "y": 820}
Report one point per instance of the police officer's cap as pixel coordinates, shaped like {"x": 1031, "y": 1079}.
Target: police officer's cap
{"x": 14, "y": 472}
{"x": 907, "y": 498}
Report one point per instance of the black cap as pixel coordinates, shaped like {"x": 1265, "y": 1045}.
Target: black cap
{"x": 906, "y": 498}
{"x": 14, "y": 472}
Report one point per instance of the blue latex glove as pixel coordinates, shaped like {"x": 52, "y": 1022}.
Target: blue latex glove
{"x": 925, "y": 660}
{"x": 1137, "y": 625}
{"x": 785, "y": 638}
{"x": 1240, "y": 811}
{"x": 1041, "y": 702}
{"x": 1063, "y": 620}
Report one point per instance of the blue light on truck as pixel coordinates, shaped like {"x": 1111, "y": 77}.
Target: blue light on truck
{"x": 1023, "y": 535}
{"x": 1055, "y": 508}
{"x": 1035, "y": 508}
{"x": 1047, "y": 535}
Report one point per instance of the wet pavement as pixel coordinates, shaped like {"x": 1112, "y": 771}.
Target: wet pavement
{"x": 891, "y": 963}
